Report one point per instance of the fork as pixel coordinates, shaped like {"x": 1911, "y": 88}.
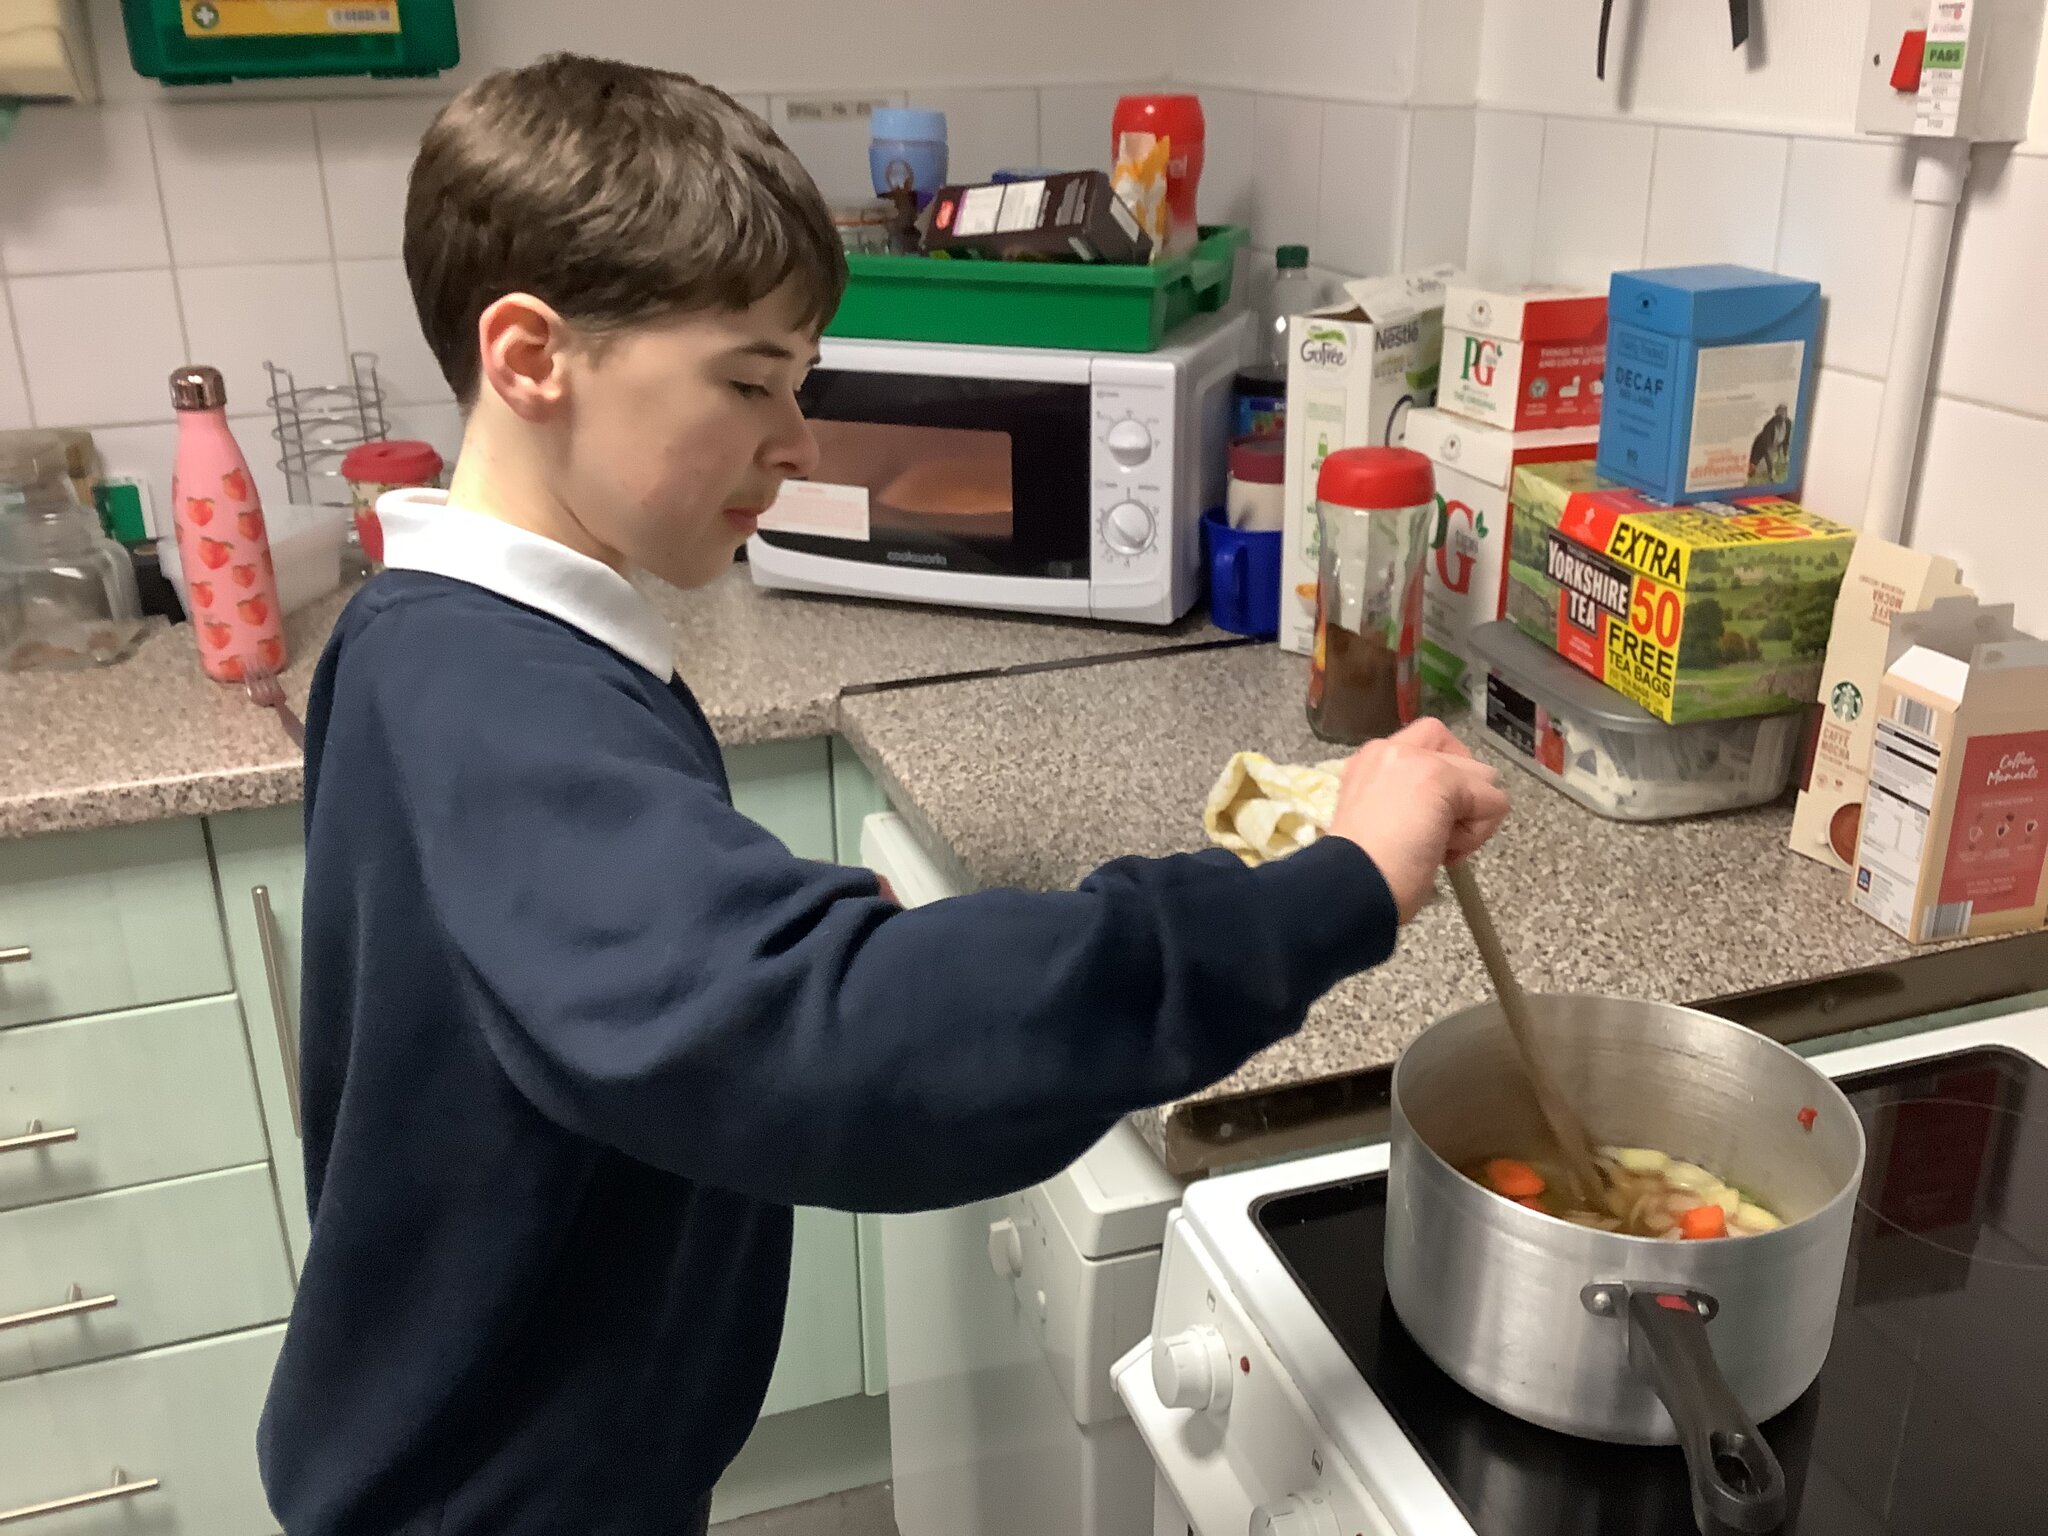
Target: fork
{"x": 266, "y": 692}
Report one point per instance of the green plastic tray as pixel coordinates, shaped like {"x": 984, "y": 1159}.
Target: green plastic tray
{"x": 1036, "y": 304}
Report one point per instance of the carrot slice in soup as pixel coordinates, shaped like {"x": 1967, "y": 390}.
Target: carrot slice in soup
{"x": 1514, "y": 1178}
{"x": 1704, "y": 1221}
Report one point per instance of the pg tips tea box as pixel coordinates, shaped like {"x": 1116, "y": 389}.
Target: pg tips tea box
{"x": 1354, "y": 372}
{"x": 1524, "y": 359}
{"x": 1706, "y": 612}
{"x": 1465, "y": 577}
{"x": 1954, "y": 836}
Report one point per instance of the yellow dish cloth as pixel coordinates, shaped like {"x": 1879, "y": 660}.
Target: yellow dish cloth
{"x": 1263, "y": 810}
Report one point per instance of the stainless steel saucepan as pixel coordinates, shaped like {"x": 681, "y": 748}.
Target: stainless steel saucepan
{"x": 1630, "y": 1339}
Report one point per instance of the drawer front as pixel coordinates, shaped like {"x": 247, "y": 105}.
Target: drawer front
{"x": 184, "y": 1416}
{"x": 112, "y": 1274}
{"x": 152, "y": 1094}
{"x": 93, "y": 921}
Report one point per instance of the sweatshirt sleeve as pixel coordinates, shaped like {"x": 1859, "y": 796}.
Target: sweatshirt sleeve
{"x": 659, "y": 974}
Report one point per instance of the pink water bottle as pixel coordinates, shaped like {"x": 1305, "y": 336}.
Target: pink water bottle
{"x": 222, "y": 546}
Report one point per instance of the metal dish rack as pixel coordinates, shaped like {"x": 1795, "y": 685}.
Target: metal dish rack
{"x": 317, "y": 426}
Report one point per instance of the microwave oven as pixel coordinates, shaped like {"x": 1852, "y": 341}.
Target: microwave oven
{"x": 1016, "y": 478}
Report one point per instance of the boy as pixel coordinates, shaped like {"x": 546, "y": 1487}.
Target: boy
{"x": 576, "y": 1035}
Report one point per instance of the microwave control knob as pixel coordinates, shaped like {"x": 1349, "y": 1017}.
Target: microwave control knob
{"x": 1301, "y": 1514}
{"x": 1130, "y": 443}
{"x": 1127, "y": 528}
{"x": 1005, "y": 1249}
{"x": 1192, "y": 1370}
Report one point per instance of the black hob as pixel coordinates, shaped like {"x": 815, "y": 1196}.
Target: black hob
{"x": 1931, "y": 1416}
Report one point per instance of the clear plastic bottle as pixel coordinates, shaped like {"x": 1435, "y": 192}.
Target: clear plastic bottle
{"x": 1260, "y": 403}
{"x": 67, "y": 591}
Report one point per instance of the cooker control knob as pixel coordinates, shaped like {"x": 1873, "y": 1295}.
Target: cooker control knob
{"x": 1130, "y": 443}
{"x": 1301, "y": 1514}
{"x": 1127, "y": 527}
{"x": 1192, "y": 1370}
{"x": 1005, "y": 1249}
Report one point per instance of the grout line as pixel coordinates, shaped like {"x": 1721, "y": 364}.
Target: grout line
{"x": 19, "y": 353}
{"x": 1936, "y": 395}
{"x": 1784, "y": 201}
{"x": 163, "y": 213}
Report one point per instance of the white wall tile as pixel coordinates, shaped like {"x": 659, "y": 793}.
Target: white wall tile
{"x": 1507, "y": 180}
{"x": 1995, "y": 347}
{"x": 288, "y": 313}
{"x": 1228, "y": 177}
{"x": 1363, "y": 188}
{"x": 377, "y": 316}
{"x": 1447, "y": 51}
{"x": 79, "y": 189}
{"x": 986, "y": 130}
{"x": 144, "y": 453}
{"x": 1848, "y": 206}
{"x": 439, "y": 424}
{"x": 1437, "y": 224}
{"x": 99, "y": 347}
{"x": 366, "y": 152}
{"x": 1841, "y": 444}
{"x": 1287, "y": 148}
{"x": 834, "y": 152}
{"x": 14, "y": 410}
{"x": 253, "y": 435}
{"x": 1349, "y": 50}
{"x": 241, "y": 182}
{"x": 1594, "y": 200}
{"x": 1714, "y": 197}
{"x": 1073, "y": 126}
{"x": 1980, "y": 503}
{"x": 758, "y": 105}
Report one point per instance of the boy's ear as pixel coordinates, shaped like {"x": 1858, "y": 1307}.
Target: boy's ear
{"x": 521, "y": 342}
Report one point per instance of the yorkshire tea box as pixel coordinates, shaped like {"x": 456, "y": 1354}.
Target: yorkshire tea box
{"x": 1955, "y": 829}
{"x": 1354, "y": 371}
{"x": 1465, "y": 576}
{"x": 1702, "y": 612}
{"x": 1526, "y": 359}
{"x": 1708, "y": 383}
{"x": 1884, "y": 580}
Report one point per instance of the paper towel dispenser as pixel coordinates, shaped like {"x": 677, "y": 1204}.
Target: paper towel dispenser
{"x": 45, "y": 54}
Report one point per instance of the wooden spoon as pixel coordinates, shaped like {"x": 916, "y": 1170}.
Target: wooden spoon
{"x": 1565, "y": 1126}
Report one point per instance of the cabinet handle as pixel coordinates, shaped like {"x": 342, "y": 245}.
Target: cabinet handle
{"x": 75, "y": 1304}
{"x": 273, "y": 974}
{"x": 35, "y": 1136}
{"x": 122, "y": 1487}
{"x": 18, "y": 954}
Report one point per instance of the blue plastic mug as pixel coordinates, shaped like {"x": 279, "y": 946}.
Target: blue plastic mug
{"x": 1244, "y": 576}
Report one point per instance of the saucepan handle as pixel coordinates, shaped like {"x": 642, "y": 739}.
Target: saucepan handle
{"x": 1736, "y": 1481}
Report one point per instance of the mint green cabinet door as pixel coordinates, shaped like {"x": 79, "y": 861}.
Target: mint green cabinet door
{"x": 94, "y": 921}
{"x": 821, "y": 1342}
{"x": 165, "y": 1439}
{"x": 260, "y": 857}
{"x": 787, "y": 787}
{"x": 855, "y": 797}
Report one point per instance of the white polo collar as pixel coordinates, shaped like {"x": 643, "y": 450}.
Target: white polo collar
{"x": 422, "y": 532}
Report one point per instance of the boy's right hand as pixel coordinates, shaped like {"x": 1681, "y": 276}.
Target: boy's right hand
{"x": 1415, "y": 801}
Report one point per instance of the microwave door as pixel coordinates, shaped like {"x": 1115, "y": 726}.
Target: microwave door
{"x": 969, "y": 475}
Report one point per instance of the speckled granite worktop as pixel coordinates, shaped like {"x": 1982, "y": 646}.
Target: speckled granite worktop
{"x": 1033, "y": 781}
{"x": 152, "y": 738}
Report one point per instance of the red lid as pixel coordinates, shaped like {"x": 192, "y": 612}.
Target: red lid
{"x": 396, "y": 462}
{"x": 1376, "y": 477}
{"x": 1259, "y": 460}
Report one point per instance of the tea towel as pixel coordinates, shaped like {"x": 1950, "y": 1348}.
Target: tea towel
{"x": 1263, "y": 810}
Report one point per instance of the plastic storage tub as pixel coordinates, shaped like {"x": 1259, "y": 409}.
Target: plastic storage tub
{"x": 1090, "y": 308}
{"x": 1613, "y": 756}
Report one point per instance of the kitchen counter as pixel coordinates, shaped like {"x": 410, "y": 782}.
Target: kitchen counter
{"x": 153, "y": 738}
{"x": 1033, "y": 781}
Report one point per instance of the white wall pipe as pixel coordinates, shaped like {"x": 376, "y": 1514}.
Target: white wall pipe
{"x": 1941, "y": 167}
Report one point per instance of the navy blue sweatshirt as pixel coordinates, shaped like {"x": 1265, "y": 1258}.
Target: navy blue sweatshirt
{"x": 576, "y": 1036}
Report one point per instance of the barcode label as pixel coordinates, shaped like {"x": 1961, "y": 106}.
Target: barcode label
{"x": 1951, "y": 920}
{"x": 1913, "y": 715}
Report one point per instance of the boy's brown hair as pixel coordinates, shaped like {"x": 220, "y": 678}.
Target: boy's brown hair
{"x": 618, "y": 194}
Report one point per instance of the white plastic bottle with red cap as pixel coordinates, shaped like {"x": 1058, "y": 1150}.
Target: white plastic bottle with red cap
{"x": 1376, "y": 507}
{"x": 223, "y": 547}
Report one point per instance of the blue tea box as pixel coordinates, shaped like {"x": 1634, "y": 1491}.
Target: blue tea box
{"x": 1708, "y": 381}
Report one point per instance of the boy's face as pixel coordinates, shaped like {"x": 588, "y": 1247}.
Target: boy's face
{"x": 681, "y": 433}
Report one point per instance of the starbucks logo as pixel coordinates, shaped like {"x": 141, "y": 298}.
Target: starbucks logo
{"x": 1846, "y": 702}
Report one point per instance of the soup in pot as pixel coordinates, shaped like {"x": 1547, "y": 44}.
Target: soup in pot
{"x": 1648, "y": 1194}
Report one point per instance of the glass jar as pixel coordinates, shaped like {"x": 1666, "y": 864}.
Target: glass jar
{"x": 1375, "y": 508}
{"x": 67, "y": 591}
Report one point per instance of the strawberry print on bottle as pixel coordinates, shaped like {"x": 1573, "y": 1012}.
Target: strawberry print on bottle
{"x": 223, "y": 545}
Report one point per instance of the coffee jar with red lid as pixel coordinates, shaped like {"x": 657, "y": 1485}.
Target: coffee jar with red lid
{"x": 1375, "y": 507}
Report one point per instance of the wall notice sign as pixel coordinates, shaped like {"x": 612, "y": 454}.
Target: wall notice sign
{"x": 285, "y": 18}
{"x": 1940, "y": 100}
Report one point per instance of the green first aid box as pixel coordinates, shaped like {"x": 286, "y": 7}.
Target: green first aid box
{"x": 204, "y": 42}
